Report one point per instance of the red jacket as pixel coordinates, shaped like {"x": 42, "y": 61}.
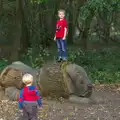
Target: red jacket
{"x": 30, "y": 94}
{"x": 60, "y": 28}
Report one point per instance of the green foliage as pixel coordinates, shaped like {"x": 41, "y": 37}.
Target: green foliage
{"x": 38, "y": 1}
{"x": 3, "y": 64}
{"x": 102, "y": 66}
{"x": 104, "y": 6}
{"x": 36, "y": 56}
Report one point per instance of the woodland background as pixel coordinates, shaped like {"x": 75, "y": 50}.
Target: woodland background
{"x": 27, "y": 30}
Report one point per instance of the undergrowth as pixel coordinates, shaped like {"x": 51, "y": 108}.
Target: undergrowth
{"x": 102, "y": 66}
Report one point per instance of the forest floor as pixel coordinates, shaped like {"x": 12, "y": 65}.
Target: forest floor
{"x": 56, "y": 110}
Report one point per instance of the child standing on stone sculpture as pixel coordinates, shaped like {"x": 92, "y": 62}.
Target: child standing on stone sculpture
{"x": 29, "y": 99}
{"x": 60, "y": 35}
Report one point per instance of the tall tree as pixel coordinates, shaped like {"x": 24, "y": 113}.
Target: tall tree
{"x": 18, "y": 32}
{"x": 74, "y": 11}
{"x": 1, "y": 6}
{"x": 71, "y": 23}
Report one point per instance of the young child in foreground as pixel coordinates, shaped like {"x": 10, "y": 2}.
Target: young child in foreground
{"x": 60, "y": 36}
{"x": 29, "y": 99}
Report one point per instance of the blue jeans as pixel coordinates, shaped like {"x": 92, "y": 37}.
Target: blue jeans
{"x": 62, "y": 48}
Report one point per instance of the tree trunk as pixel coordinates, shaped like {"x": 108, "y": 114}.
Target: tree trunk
{"x": 25, "y": 43}
{"x": 85, "y": 32}
{"x": 74, "y": 7}
{"x": 57, "y": 3}
{"x": 84, "y": 37}
{"x": 106, "y": 33}
{"x": 71, "y": 23}
{"x": 24, "y": 32}
{"x": 1, "y": 7}
{"x": 17, "y": 37}
{"x": 104, "y": 23}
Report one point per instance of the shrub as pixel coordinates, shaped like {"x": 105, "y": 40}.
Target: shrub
{"x": 36, "y": 56}
{"x": 102, "y": 66}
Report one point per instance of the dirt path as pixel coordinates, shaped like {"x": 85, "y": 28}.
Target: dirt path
{"x": 54, "y": 110}
{"x": 110, "y": 110}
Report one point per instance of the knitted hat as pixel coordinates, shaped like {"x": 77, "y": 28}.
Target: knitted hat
{"x": 27, "y": 78}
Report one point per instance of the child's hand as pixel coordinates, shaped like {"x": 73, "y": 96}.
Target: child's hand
{"x": 63, "y": 38}
{"x": 54, "y": 38}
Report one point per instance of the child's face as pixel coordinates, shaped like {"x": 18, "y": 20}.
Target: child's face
{"x": 61, "y": 14}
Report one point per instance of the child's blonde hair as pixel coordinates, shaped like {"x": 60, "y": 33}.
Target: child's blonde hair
{"x": 61, "y": 10}
{"x": 27, "y": 78}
